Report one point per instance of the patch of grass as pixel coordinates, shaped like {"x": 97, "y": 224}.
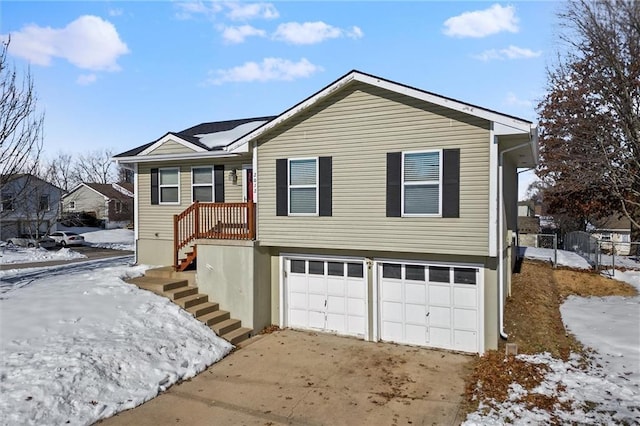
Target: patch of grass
{"x": 587, "y": 284}
{"x": 534, "y": 323}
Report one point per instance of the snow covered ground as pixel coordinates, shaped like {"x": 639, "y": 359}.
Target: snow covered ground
{"x": 10, "y": 255}
{"x": 116, "y": 239}
{"x": 608, "y": 391}
{"x": 79, "y": 346}
{"x": 565, "y": 258}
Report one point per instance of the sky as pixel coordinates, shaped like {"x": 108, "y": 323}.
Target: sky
{"x": 117, "y": 74}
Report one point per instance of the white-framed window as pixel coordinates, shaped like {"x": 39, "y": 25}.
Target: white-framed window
{"x": 43, "y": 204}
{"x": 118, "y": 206}
{"x": 169, "y": 185}
{"x": 202, "y": 184}
{"x": 303, "y": 186}
{"x": 422, "y": 183}
{"x": 72, "y": 205}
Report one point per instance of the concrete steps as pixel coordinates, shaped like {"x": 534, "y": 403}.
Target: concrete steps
{"x": 180, "y": 288}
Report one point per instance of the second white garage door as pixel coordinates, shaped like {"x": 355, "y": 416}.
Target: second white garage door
{"x": 429, "y": 305}
{"x": 327, "y": 295}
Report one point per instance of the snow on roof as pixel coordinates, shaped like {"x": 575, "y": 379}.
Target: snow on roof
{"x": 224, "y": 138}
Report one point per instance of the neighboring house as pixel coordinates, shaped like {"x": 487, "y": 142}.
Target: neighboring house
{"x": 28, "y": 206}
{"x": 614, "y": 234}
{"x": 111, "y": 203}
{"x": 382, "y": 211}
{"x": 528, "y": 224}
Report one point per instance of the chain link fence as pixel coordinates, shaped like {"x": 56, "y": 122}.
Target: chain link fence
{"x": 603, "y": 254}
{"x": 544, "y": 241}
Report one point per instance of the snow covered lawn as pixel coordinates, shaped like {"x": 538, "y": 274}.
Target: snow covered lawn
{"x": 116, "y": 239}
{"x": 607, "y": 391}
{"x": 565, "y": 258}
{"x": 78, "y": 347}
{"x": 27, "y": 255}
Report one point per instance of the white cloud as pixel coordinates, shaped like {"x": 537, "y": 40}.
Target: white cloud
{"x": 312, "y": 32}
{"x": 481, "y": 23}
{"x": 86, "y": 79}
{"x": 187, "y": 9}
{"x": 270, "y": 69}
{"x": 246, "y": 11}
{"x": 513, "y": 100}
{"x": 512, "y": 52}
{"x": 239, "y": 34}
{"x": 89, "y": 42}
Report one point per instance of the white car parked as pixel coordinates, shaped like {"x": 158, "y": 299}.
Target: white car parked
{"x": 26, "y": 241}
{"x": 65, "y": 238}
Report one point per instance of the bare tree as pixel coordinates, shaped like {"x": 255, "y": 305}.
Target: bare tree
{"x": 59, "y": 171}
{"x": 95, "y": 167}
{"x": 20, "y": 123}
{"x": 590, "y": 117}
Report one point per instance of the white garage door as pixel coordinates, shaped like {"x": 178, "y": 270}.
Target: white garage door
{"x": 326, "y": 295}
{"x": 429, "y": 305}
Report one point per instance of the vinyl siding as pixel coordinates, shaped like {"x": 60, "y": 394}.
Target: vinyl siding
{"x": 171, "y": 147}
{"x": 159, "y": 218}
{"x": 86, "y": 200}
{"x": 357, "y": 127}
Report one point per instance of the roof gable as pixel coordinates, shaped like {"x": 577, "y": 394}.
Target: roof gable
{"x": 505, "y": 124}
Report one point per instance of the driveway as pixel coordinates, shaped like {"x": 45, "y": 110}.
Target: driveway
{"x": 304, "y": 378}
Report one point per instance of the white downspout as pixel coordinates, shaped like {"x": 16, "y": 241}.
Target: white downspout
{"x": 501, "y": 237}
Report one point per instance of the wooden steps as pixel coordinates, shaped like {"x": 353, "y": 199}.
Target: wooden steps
{"x": 182, "y": 291}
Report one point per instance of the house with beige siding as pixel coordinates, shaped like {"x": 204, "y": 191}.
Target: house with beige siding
{"x": 370, "y": 209}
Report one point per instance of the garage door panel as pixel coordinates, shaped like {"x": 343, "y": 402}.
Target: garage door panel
{"x": 316, "y": 302}
{"x": 440, "y": 337}
{"x": 298, "y": 300}
{"x": 465, "y": 340}
{"x": 336, "y": 322}
{"x": 465, "y": 296}
{"x": 392, "y": 311}
{"x": 415, "y": 314}
{"x": 415, "y": 292}
{"x": 336, "y": 304}
{"x": 392, "y": 290}
{"x": 440, "y": 316}
{"x": 416, "y": 334}
{"x": 465, "y": 318}
{"x": 439, "y": 294}
{"x": 298, "y": 284}
{"x": 356, "y": 307}
{"x": 335, "y": 286}
{"x": 298, "y": 317}
{"x": 356, "y": 288}
{"x": 392, "y": 331}
{"x": 356, "y": 325}
{"x": 317, "y": 285}
{"x": 316, "y": 319}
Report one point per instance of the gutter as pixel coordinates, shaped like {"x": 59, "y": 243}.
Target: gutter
{"x": 501, "y": 220}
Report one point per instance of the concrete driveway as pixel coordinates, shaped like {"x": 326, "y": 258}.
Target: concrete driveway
{"x": 295, "y": 377}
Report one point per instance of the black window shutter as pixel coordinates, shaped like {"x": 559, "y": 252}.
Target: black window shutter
{"x": 325, "y": 196}
{"x": 282, "y": 188}
{"x": 394, "y": 182}
{"x": 218, "y": 180}
{"x": 451, "y": 183}
{"x": 154, "y": 186}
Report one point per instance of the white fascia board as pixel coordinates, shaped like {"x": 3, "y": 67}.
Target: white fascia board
{"x": 520, "y": 125}
{"x": 80, "y": 185}
{"x": 171, "y": 137}
{"x": 493, "y": 194}
{"x": 170, "y": 157}
{"x": 75, "y": 188}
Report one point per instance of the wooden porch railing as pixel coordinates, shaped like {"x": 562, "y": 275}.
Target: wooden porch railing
{"x": 227, "y": 221}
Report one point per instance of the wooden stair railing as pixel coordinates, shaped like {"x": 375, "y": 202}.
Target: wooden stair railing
{"x": 227, "y": 221}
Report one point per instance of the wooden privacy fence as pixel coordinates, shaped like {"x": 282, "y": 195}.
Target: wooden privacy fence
{"x": 226, "y": 221}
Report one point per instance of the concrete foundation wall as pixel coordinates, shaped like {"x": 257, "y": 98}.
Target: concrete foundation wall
{"x": 234, "y": 274}
{"x": 155, "y": 252}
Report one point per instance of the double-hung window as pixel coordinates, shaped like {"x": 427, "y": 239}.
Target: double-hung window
{"x": 202, "y": 184}
{"x": 169, "y": 185}
{"x": 303, "y": 186}
{"x": 421, "y": 183}
{"x": 72, "y": 205}
{"x": 7, "y": 201}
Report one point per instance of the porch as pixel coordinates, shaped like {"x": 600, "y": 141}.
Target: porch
{"x": 222, "y": 221}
